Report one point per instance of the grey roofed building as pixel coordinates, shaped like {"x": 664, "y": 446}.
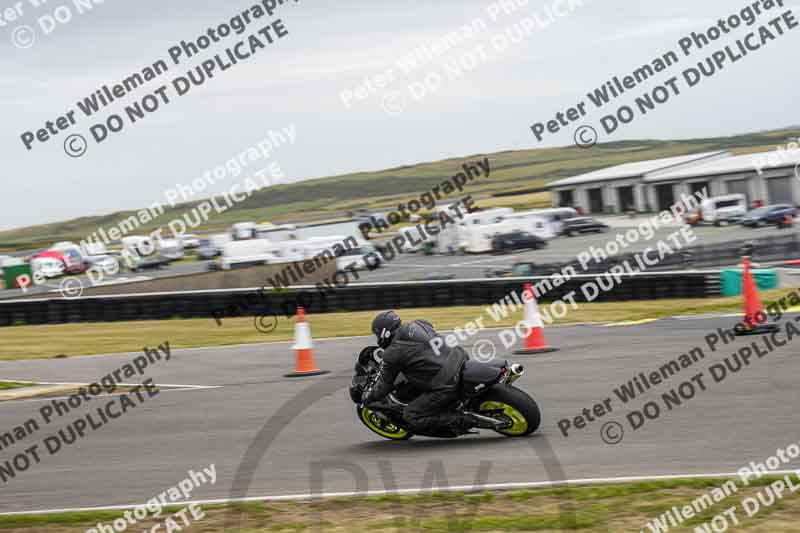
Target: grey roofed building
{"x": 764, "y": 178}
{"x": 621, "y": 188}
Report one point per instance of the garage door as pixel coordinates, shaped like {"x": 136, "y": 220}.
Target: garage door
{"x": 595, "y": 200}
{"x": 699, "y": 186}
{"x": 665, "y": 196}
{"x": 565, "y": 198}
{"x": 625, "y": 199}
{"x": 739, "y": 187}
{"x": 779, "y": 190}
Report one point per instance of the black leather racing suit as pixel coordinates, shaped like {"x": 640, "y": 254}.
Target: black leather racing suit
{"x": 435, "y": 376}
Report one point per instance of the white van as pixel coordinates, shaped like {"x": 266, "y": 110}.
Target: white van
{"x": 240, "y": 254}
{"x": 723, "y": 210}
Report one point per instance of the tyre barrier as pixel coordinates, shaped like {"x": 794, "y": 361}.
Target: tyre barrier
{"x": 224, "y": 303}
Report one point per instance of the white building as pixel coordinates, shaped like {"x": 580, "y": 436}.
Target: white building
{"x": 620, "y": 188}
{"x": 774, "y": 184}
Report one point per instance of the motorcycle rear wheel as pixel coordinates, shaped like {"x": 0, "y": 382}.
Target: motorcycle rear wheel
{"x": 387, "y": 430}
{"x": 516, "y": 405}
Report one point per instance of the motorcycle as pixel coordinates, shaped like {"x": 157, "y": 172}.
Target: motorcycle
{"x": 486, "y": 390}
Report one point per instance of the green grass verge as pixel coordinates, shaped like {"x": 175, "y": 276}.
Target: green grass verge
{"x": 590, "y": 509}
{"x": 30, "y": 342}
{"x": 8, "y": 385}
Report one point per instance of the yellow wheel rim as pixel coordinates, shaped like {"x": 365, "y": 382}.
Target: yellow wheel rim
{"x": 519, "y": 423}
{"x": 379, "y": 426}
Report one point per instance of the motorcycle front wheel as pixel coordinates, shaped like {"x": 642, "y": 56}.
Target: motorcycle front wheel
{"x": 380, "y": 425}
{"x": 509, "y": 403}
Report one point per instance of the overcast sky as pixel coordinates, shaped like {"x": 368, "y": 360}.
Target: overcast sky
{"x": 332, "y": 47}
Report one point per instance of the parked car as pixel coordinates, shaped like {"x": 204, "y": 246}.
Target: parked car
{"x": 206, "y": 250}
{"x": 47, "y": 267}
{"x": 151, "y": 262}
{"x": 365, "y": 257}
{"x": 769, "y": 215}
{"x": 517, "y": 240}
{"x": 573, "y": 226}
{"x": 190, "y": 242}
{"x": 102, "y": 263}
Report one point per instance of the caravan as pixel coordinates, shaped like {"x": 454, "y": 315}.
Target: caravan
{"x": 413, "y": 239}
{"x": 243, "y": 231}
{"x": 533, "y": 222}
{"x": 476, "y": 230}
{"x": 555, "y": 217}
{"x": 275, "y": 233}
{"x": 138, "y": 246}
{"x": 720, "y": 210}
{"x": 477, "y": 239}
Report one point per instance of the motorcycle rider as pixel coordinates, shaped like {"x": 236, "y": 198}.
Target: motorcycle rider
{"x": 407, "y": 349}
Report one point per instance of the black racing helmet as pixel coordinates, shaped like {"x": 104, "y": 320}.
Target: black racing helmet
{"x": 384, "y": 327}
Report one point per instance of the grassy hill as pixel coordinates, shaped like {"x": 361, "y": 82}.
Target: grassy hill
{"x": 512, "y": 171}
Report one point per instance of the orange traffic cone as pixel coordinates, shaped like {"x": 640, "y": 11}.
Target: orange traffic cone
{"x": 755, "y": 319}
{"x": 303, "y": 347}
{"x": 534, "y": 341}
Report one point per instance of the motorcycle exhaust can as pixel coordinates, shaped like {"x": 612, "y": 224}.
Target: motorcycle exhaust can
{"x": 514, "y": 373}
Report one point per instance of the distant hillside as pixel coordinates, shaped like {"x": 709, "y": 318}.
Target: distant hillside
{"x": 333, "y": 196}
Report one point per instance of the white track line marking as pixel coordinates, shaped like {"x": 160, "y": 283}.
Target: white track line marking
{"x": 412, "y": 491}
{"x": 83, "y": 384}
{"x": 176, "y": 388}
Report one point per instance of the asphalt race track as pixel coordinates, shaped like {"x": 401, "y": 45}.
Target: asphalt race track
{"x": 746, "y": 417}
